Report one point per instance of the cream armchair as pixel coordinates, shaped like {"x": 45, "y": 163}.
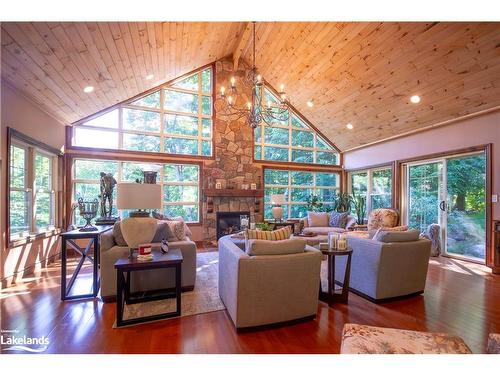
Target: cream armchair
{"x": 267, "y": 289}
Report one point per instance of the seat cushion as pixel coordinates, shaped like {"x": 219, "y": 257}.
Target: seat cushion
{"x": 323, "y": 230}
{"x": 362, "y": 339}
{"x": 265, "y": 247}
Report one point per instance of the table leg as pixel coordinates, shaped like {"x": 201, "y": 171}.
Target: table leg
{"x": 178, "y": 287}
{"x": 330, "y": 281}
{"x": 119, "y": 298}
{"x": 63, "y": 269}
{"x": 345, "y": 287}
{"x": 95, "y": 286}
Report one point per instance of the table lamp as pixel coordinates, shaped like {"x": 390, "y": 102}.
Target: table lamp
{"x": 277, "y": 200}
{"x": 139, "y": 227}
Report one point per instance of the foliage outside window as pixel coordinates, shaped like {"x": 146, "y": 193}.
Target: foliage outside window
{"x": 180, "y": 184}
{"x": 31, "y": 194}
{"x": 375, "y": 185}
{"x": 176, "y": 119}
{"x": 291, "y": 141}
{"x": 298, "y": 186}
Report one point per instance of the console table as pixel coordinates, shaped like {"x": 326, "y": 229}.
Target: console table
{"x": 85, "y": 253}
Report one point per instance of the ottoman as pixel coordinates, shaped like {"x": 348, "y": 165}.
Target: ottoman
{"x": 361, "y": 339}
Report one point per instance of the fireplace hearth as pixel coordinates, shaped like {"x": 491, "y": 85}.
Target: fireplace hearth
{"x": 229, "y": 222}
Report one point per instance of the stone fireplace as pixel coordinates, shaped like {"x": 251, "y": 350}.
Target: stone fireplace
{"x": 229, "y": 222}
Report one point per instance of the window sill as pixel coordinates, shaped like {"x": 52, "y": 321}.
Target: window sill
{"x": 33, "y": 237}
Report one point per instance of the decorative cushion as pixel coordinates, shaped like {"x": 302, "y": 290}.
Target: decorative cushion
{"x": 163, "y": 232}
{"x": 494, "y": 343}
{"x": 317, "y": 219}
{"x": 339, "y": 219}
{"x": 382, "y": 217}
{"x": 138, "y": 230}
{"x": 265, "y": 247}
{"x": 361, "y": 339}
{"x": 275, "y": 235}
{"x": 159, "y": 216}
{"x": 118, "y": 235}
{"x": 396, "y": 236}
{"x": 177, "y": 230}
{"x": 433, "y": 233}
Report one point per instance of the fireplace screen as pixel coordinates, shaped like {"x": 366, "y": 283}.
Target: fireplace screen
{"x": 231, "y": 222}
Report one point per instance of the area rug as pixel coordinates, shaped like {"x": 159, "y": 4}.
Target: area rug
{"x": 203, "y": 299}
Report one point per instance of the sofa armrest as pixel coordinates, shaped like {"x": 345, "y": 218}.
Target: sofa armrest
{"x": 107, "y": 241}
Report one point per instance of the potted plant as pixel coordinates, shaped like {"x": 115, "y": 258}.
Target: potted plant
{"x": 359, "y": 202}
{"x": 342, "y": 203}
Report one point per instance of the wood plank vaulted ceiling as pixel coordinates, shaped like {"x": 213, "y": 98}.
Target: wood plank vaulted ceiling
{"x": 359, "y": 73}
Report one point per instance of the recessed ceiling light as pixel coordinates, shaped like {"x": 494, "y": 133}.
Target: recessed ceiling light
{"x": 310, "y": 104}
{"x": 349, "y": 126}
{"x": 88, "y": 89}
{"x": 415, "y": 99}
{"x": 149, "y": 76}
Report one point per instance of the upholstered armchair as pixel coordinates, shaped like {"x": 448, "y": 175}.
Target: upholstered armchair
{"x": 381, "y": 218}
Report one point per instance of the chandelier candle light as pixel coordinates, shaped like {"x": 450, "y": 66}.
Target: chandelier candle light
{"x": 258, "y": 110}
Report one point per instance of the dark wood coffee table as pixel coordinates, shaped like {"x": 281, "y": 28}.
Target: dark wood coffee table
{"x": 332, "y": 295}
{"x": 173, "y": 259}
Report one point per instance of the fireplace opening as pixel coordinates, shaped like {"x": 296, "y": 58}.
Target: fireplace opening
{"x": 230, "y": 222}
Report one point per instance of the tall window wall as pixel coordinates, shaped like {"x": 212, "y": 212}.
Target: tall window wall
{"x": 31, "y": 190}
{"x": 175, "y": 119}
{"x": 180, "y": 183}
{"x": 375, "y": 185}
{"x": 291, "y": 141}
{"x": 298, "y": 186}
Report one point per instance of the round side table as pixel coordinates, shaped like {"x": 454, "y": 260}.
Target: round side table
{"x": 332, "y": 295}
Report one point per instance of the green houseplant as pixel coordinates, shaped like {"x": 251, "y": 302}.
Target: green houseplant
{"x": 343, "y": 202}
{"x": 359, "y": 202}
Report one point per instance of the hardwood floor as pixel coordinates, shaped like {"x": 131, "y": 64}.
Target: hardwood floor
{"x": 461, "y": 299}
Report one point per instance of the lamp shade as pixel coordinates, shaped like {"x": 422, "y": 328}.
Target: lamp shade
{"x": 134, "y": 196}
{"x": 278, "y": 199}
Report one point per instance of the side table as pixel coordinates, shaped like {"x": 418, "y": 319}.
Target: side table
{"x": 172, "y": 259}
{"x": 85, "y": 253}
{"x": 332, "y": 295}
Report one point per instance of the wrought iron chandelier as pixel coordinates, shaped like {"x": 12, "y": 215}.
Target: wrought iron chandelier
{"x": 258, "y": 109}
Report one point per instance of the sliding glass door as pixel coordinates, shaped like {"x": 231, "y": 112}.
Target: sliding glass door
{"x": 450, "y": 192}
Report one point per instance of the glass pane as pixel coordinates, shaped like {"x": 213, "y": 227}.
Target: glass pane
{"x": 135, "y": 119}
{"x": 276, "y": 136}
{"x": 206, "y": 105}
{"x": 381, "y": 201}
{"x": 275, "y": 177}
{"x": 181, "y": 101}
{"x": 177, "y": 124}
{"x": 141, "y": 142}
{"x": 359, "y": 183}
{"x": 206, "y": 127}
{"x": 18, "y": 210}
{"x": 257, "y": 134}
{"x": 298, "y": 211}
{"x": 300, "y": 195}
{"x": 95, "y": 138}
{"x": 326, "y": 195}
{"x": 151, "y": 101}
{"x": 268, "y": 191}
{"x": 181, "y": 173}
{"x": 302, "y": 156}
{"x": 17, "y": 167}
{"x": 466, "y": 221}
{"x": 381, "y": 189}
{"x": 322, "y": 145}
{"x": 42, "y": 202}
{"x": 328, "y": 158}
{"x": 90, "y": 169}
{"x": 42, "y": 172}
{"x": 107, "y": 120}
{"x": 257, "y": 152}
{"x": 298, "y": 123}
{"x": 181, "y": 146}
{"x": 302, "y": 178}
{"x": 206, "y": 80}
{"x": 423, "y": 201}
{"x": 206, "y": 148}
{"x": 176, "y": 193}
{"x": 326, "y": 179}
{"x": 188, "y": 212}
{"x": 275, "y": 153}
{"x": 134, "y": 171}
{"x": 303, "y": 139}
{"x": 87, "y": 191}
{"x": 188, "y": 83}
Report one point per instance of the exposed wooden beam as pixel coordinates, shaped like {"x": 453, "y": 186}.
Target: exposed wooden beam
{"x": 242, "y": 43}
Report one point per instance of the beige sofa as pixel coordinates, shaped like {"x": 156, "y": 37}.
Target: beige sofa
{"x": 323, "y": 231}
{"x": 267, "y": 289}
{"x": 144, "y": 280}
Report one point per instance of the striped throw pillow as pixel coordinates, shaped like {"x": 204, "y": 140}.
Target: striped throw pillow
{"x": 275, "y": 235}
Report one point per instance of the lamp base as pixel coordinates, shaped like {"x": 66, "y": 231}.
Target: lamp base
{"x": 277, "y": 212}
{"x": 139, "y": 213}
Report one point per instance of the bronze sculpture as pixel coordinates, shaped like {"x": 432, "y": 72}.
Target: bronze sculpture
{"x": 108, "y": 183}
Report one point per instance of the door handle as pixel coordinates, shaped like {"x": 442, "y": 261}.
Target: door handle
{"x": 442, "y": 206}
